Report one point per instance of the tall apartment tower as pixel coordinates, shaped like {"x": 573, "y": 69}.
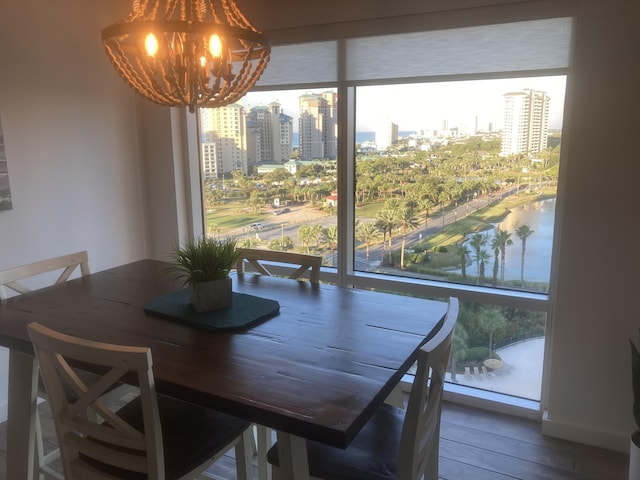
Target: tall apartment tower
{"x": 526, "y": 122}
{"x": 318, "y": 126}
{"x": 224, "y": 140}
{"x": 386, "y": 134}
{"x": 270, "y": 133}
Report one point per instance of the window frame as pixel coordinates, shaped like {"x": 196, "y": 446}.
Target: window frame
{"x": 344, "y": 273}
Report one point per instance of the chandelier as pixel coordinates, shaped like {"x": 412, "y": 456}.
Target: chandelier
{"x": 193, "y": 53}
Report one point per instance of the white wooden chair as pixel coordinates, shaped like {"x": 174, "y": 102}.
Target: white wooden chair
{"x": 394, "y": 444}
{"x": 151, "y": 437}
{"x": 256, "y": 257}
{"x": 12, "y": 280}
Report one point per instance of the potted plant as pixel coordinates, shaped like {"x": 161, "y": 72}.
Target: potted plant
{"x": 634, "y": 448}
{"x": 204, "y": 265}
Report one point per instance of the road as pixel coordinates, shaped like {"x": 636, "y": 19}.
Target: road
{"x": 277, "y": 227}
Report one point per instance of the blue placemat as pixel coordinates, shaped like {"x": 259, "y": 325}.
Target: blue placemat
{"x": 245, "y": 311}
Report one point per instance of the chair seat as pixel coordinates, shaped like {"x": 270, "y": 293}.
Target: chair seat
{"x": 189, "y": 432}
{"x": 373, "y": 454}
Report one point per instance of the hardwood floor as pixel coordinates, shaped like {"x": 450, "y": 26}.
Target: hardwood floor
{"x": 480, "y": 445}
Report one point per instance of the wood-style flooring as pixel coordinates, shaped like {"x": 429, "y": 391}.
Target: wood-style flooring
{"x": 479, "y": 445}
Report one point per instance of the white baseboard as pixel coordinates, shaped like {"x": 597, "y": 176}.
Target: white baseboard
{"x": 580, "y": 434}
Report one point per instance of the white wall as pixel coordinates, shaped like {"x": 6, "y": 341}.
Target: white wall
{"x": 73, "y": 141}
{"x": 597, "y": 308}
{"x": 71, "y": 138}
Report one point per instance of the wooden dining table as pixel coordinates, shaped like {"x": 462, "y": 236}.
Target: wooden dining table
{"x": 315, "y": 370}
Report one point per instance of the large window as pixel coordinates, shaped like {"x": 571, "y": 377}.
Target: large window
{"x": 421, "y": 163}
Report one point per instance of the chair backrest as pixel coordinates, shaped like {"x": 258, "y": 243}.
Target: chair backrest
{"x": 255, "y": 257}
{"x": 85, "y": 441}
{"x": 67, "y": 263}
{"x": 419, "y": 444}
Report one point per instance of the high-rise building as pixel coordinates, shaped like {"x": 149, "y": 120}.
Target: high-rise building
{"x": 526, "y": 122}
{"x": 270, "y": 135}
{"x": 386, "y": 134}
{"x": 318, "y": 126}
{"x": 224, "y": 140}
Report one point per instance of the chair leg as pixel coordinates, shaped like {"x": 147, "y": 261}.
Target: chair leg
{"x": 263, "y": 436}
{"x": 244, "y": 466}
{"x": 42, "y": 468}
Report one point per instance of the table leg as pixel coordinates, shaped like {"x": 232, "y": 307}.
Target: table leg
{"x": 21, "y": 411}
{"x": 292, "y": 451}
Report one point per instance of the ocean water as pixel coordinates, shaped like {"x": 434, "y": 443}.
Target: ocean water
{"x": 361, "y": 137}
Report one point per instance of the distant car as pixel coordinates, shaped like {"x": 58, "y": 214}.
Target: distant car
{"x": 256, "y": 226}
{"x": 278, "y": 212}
{"x": 286, "y": 210}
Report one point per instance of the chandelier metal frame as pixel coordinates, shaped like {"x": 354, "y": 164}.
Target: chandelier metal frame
{"x": 185, "y": 71}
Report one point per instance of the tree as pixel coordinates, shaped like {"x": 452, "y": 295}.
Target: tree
{"x": 458, "y": 346}
{"x": 477, "y": 241}
{"x": 426, "y": 204}
{"x": 306, "y": 236}
{"x": 386, "y": 221}
{"x": 501, "y": 240}
{"x": 523, "y": 232}
{"x": 482, "y": 258}
{"x": 248, "y": 243}
{"x": 406, "y": 220}
{"x": 330, "y": 239}
{"x": 493, "y": 321}
{"x": 367, "y": 233}
{"x": 496, "y": 261}
{"x": 463, "y": 252}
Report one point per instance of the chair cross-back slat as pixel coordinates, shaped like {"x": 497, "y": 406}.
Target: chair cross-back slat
{"x": 255, "y": 257}
{"x": 72, "y": 415}
{"x": 101, "y": 441}
{"x": 11, "y": 278}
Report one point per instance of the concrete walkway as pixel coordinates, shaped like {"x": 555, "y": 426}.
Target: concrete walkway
{"x": 521, "y": 374}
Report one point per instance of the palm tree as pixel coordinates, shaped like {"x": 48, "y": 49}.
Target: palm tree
{"x": 463, "y": 252}
{"x": 306, "y": 236}
{"x": 496, "y": 263}
{"x": 493, "y": 321}
{"x": 482, "y": 258}
{"x": 458, "y": 346}
{"x": 386, "y": 222}
{"x": 316, "y": 233}
{"x": 477, "y": 241}
{"x": 523, "y": 232}
{"x": 501, "y": 240}
{"x": 367, "y": 232}
{"x": 426, "y": 204}
{"x": 330, "y": 239}
{"x": 405, "y": 220}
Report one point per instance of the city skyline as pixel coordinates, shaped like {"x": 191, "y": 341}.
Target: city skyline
{"x": 467, "y": 105}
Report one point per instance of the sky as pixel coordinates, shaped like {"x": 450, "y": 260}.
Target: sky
{"x": 426, "y": 106}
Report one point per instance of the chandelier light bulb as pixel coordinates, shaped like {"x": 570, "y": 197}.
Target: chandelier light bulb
{"x": 215, "y": 46}
{"x": 151, "y": 45}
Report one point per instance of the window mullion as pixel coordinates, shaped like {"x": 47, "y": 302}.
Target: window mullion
{"x": 346, "y": 172}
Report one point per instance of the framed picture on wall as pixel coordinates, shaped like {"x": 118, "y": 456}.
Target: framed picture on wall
{"x": 5, "y": 190}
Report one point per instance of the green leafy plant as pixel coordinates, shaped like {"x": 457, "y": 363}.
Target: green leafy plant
{"x": 204, "y": 259}
{"x": 635, "y": 383}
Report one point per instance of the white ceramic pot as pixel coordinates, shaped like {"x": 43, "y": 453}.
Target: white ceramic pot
{"x": 634, "y": 456}
{"x": 213, "y": 295}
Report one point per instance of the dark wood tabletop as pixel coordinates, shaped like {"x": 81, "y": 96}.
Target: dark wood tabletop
{"x": 317, "y": 369}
